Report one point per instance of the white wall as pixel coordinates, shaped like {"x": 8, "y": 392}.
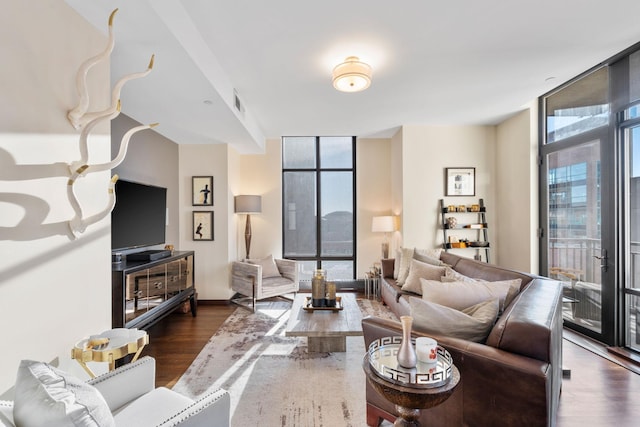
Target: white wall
{"x": 261, "y": 174}
{"x": 211, "y": 257}
{"x": 53, "y": 290}
{"x": 426, "y": 152}
{"x": 517, "y": 182}
{"x": 373, "y": 189}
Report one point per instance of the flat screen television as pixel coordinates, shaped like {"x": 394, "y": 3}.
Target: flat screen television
{"x": 139, "y": 216}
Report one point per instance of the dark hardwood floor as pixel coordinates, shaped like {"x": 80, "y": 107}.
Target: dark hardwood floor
{"x": 600, "y": 392}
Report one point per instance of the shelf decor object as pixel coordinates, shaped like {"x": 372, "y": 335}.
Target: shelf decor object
{"x": 460, "y": 181}
{"x": 202, "y": 190}
{"x": 248, "y": 204}
{"x": 465, "y": 227}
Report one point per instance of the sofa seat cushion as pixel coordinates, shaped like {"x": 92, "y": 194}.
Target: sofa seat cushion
{"x": 418, "y": 271}
{"x": 472, "y": 323}
{"x": 460, "y": 295}
{"x": 46, "y": 396}
{"x": 154, "y": 408}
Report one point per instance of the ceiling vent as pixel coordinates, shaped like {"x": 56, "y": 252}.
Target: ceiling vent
{"x": 237, "y": 102}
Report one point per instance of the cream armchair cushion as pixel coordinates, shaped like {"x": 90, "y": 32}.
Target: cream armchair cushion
{"x": 249, "y": 280}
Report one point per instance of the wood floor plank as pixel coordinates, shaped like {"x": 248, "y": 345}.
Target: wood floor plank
{"x": 599, "y": 392}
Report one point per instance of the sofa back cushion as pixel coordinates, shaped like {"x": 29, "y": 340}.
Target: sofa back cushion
{"x": 484, "y": 271}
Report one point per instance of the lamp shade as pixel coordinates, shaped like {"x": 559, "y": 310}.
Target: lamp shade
{"x": 383, "y": 224}
{"x": 248, "y": 204}
{"x": 352, "y": 75}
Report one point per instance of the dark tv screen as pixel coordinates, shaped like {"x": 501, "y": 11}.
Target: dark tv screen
{"x": 138, "y": 218}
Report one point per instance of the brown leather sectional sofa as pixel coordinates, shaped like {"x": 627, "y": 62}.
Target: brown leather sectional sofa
{"x": 512, "y": 379}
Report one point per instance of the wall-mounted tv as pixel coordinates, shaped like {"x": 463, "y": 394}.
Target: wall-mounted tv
{"x": 139, "y": 217}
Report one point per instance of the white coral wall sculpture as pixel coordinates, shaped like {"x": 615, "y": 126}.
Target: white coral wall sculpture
{"x": 81, "y": 119}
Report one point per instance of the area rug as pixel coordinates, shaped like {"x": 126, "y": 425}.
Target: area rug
{"x": 273, "y": 380}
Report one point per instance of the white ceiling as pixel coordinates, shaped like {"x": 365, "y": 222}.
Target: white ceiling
{"x": 437, "y": 63}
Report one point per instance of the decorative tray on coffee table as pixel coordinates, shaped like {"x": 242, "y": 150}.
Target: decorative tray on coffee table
{"x": 309, "y": 307}
{"x": 382, "y": 355}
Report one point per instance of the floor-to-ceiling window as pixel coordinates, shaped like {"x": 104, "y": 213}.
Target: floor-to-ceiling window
{"x": 318, "y": 176}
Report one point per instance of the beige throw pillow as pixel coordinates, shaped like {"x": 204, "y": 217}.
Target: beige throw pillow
{"x": 420, "y": 271}
{"x": 473, "y": 323}
{"x": 461, "y": 295}
{"x": 406, "y": 255}
{"x": 451, "y": 275}
{"x": 269, "y": 267}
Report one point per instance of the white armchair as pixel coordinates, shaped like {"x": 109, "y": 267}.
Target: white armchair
{"x": 251, "y": 282}
{"x": 133, "y": 400}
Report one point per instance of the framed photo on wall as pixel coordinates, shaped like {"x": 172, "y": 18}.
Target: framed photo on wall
{"x": 202, "y": 225}
{"x": 460, "y": 181}
{"x": 202, "y": 189}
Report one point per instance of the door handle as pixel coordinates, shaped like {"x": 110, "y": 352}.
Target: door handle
{"x": 604, "y": 260}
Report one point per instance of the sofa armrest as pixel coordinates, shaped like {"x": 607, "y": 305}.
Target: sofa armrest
{"x": 387, "y": 265}
{"x": 532, "y": 324}
{"x": 288, "y": 268}
{"x": 212, "y": 410}
{"x": 6, "y": 413}
{"x": 127, "y": 382}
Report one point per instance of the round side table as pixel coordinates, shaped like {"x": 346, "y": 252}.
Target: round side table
{"x": 411, "y": 390}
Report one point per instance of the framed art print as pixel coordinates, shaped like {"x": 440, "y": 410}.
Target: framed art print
{"x": 460, "y": 181}
{"x": 203, "y": 225}
{"x": 202, "y": 189}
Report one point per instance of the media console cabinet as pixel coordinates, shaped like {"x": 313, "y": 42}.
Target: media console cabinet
{"x": 143, "y": 292}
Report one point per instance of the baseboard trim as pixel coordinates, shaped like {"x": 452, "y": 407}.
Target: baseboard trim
{"x": 214, "y": 302}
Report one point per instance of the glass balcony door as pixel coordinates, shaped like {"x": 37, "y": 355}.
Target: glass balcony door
{"x": 631, "y": 290}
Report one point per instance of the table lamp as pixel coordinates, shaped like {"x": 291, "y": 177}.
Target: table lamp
{"x": 248, "y": 204}
{"x": 386, "y": 225}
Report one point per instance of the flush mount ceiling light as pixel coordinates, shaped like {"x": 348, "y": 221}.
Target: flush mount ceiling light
{"x": 352, "y": 75}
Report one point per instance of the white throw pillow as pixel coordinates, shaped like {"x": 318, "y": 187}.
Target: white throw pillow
{"x": 419, "y": 271}
{"x": 406, "y": 255}
{"x": 269, "y": 267}
{"x": 46, "y": 396}
{"x": 473, "y": 323}
{"x": 461, "y": 295}
{"x": 431, "y": 253}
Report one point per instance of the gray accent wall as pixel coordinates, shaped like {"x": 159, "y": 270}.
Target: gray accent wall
{"x": 151, "y": 159}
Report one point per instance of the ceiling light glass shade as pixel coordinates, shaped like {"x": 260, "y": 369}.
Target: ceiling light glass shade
{"x": 352, "y": 75}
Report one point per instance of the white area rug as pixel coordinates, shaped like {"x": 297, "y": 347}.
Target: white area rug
{"x": 273, "y": 380}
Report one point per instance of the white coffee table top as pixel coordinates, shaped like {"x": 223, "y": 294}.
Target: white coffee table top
{"x": 325, "y": 323}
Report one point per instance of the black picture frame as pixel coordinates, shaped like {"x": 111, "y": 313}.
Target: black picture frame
{"x": 460, "y": 181}
{"x": 202, "y": 191}
{"x": 202, "y": 225}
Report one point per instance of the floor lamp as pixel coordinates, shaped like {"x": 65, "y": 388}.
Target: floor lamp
{"x": 248, "y": 204}
{"x": 386, "y": 225}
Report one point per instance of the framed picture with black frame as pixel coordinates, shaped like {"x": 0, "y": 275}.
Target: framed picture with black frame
{"x": 460, "y": 181}
{"x": 202, "y": 225}
{"x": 202, "y": 190}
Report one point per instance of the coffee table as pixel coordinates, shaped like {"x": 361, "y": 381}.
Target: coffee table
{"x": 326, "y": 330}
